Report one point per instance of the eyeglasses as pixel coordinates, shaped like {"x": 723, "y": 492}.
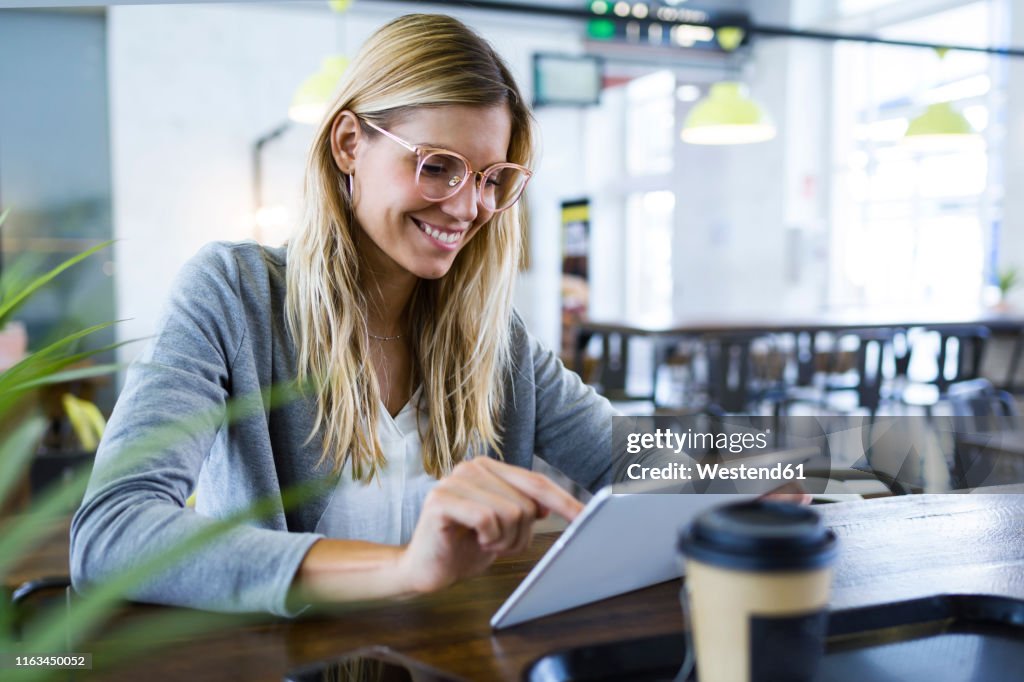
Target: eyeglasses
{"x": 440, "y": 174}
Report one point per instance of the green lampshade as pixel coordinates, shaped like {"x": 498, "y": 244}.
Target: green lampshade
{"x": 309, "y": 104}
{"x": 727, "y": 116}
{"x": 940, "y": 125}
{"x": 729, "y": 37}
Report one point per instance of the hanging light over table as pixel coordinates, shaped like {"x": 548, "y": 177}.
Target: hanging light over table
{"x": 941, "y": 126}
{"x": 309, "y": 104}
{"x": 727, "y": 116}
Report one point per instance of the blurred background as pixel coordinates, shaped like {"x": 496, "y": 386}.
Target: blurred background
{"x": 867, "y": 176}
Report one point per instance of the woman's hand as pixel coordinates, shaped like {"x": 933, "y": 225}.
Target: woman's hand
{"x": 484, "y": 509}
{"x": 790, "y": 492}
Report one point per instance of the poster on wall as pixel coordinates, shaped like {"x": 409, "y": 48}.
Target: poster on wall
{"x": 575, "y": 287}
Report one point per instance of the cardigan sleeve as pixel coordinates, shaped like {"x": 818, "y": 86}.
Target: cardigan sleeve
{"x": 163, "y": 426}
{"x": 571, "y": 425}
{"x": 551, "y": 413}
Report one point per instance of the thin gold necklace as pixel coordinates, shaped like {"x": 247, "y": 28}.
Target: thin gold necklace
{"x": 384, "y": 338}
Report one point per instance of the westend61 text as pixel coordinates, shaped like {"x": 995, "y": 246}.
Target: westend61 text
{"x": 719, "y": 472}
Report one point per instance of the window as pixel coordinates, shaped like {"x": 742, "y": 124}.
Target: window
{"x": 55, "y": 170}
{"x": 650, "y": 203}
{"x": 913, "y": 226}
{"x": 649, "y": 219}
{"x": 630, "y": 179}
{"x": 650, "y": 124}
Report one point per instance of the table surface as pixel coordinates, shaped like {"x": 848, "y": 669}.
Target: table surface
{"x": 891, "y": 549}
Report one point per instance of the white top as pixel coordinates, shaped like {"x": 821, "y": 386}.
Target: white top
{"x": 384, "y": 510}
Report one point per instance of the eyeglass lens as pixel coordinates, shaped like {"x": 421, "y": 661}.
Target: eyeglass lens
{"x": 441, "y": 175}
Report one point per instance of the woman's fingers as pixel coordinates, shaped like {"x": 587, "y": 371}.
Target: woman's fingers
{"x": 500, "y": 502}
{"x": 516, "y": 510}
{"x": 492, "y": 479}
{"x": 537, "y": 487}
{"x": 483, "y": 509}
{"x": 790, "y": 492}
{"x": 505, "y": 515}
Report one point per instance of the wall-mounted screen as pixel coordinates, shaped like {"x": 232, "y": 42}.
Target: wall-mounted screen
{"x": 567, "y": 80}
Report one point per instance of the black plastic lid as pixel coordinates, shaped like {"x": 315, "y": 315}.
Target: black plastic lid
{"x": 760, "y": 536}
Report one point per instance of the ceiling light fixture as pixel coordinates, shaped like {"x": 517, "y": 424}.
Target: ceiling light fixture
{"x": 727, "y": 116}
{"x": 941, "y": 126}
{"x": 309, "y": 104}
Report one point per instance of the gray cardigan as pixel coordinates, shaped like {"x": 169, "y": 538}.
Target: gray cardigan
{"x": 223, "y": 335}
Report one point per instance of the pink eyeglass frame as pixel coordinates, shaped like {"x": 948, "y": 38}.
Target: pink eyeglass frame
{"x": 422, "y": 153}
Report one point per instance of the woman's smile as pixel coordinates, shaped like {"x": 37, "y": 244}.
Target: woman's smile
{"x": 443, "y": 237}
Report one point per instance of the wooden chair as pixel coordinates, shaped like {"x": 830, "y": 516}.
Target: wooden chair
{"x": 979, "y": 409}
{"x": 958, "y": 358}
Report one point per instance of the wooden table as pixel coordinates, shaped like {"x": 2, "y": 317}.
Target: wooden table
{"x": 892, "y": 549}
{"x": 989, "y": 457}
{"x": 828, "y": 321}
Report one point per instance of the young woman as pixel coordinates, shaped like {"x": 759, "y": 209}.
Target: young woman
{"x": 424, "y": 398}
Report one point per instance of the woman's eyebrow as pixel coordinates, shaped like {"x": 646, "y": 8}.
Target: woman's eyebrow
{"x": 432, "y": 145}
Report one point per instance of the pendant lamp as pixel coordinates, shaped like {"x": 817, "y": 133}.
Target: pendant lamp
{"x": 309, "y": 104}
{"x": 941, "y": 126}
{"x": 727, "y": 116}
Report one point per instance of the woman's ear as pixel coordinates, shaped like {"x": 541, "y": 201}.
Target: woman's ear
{"x": 345, "y": 136}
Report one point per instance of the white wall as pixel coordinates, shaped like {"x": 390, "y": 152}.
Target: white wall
{"x": 1012, "y": 230}
{"x": 192, "y": 88}
{"x": 751, "y": 219}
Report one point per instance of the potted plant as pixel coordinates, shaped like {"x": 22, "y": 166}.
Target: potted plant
{"x": 1008, "y": 279}
{"x": 60, "y": 627}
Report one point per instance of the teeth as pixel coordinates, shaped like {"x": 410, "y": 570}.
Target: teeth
{"x": 445, "y": 237}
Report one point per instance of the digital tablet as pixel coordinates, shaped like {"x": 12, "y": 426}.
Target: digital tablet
{"x": 625, "y": 539}
{"x": 620, "y": 542}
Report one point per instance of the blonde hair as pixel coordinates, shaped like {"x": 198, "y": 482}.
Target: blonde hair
{"x": 460, "y": 323}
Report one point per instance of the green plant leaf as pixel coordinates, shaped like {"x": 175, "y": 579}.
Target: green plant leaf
{"x": 25, "y": 532}
{"x": 139, "y": 639}
{"x": 35, "y": 374}
{"x": 15, "y": 452}
{"x": 17, "y": 275}
{"x": 22, "y": 534}
{"x": 55, "y": 503}
{"x": 59, "y": 626}
{"x": 58, "y": 629}
{"x": 8, "y": 307}
{"x": 33, "y": 365}
{"x": 1009, "y": 278}
{"x": 70, "y": 375}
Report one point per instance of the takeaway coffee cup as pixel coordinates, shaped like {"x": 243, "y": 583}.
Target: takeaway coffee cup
{"x": 756, "y": 591}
